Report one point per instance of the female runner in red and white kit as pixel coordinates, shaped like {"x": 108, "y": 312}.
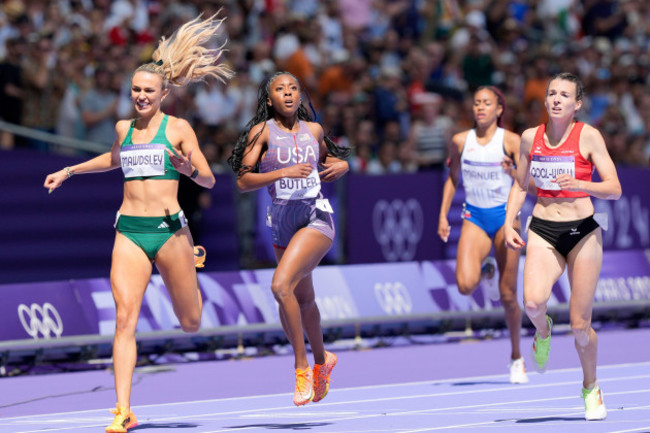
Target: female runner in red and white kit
{"x": 560, "y": 157}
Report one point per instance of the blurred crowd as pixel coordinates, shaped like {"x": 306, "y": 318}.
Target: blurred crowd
{"x": 393, "y": 79}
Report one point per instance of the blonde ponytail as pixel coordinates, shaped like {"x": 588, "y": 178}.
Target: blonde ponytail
{"x": 182, "y": 58}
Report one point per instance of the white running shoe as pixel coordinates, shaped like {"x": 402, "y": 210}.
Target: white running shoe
{"x": 594, "y": 404}
{"x": 489, "y": 278}
{"x": 518, "y": 371}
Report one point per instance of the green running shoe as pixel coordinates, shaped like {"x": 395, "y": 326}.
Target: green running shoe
{"x": 541, "y": 347}
{"x": 594, "y": 404}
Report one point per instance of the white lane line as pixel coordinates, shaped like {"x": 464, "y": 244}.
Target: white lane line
{"x": 26, "y": 419}
{"x": 356, "y": 388}
{"x": 646, "y": 429}
{"x": 366, "y": 416}
{"x": 564, "y": 414}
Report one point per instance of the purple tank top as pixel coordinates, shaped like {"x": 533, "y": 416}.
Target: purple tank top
{"x": 286, "y": 149}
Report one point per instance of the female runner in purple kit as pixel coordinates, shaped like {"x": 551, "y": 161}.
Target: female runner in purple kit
{"x": 281, "y": 148}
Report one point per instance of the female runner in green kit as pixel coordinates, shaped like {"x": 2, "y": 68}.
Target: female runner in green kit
{"x": 153, "y": 150}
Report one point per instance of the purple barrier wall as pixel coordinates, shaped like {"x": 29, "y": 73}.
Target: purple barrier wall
{"x": 393, "y": 218}
{"x": 70, "y": 234}
{"x": 42, "y": 310}
{"x": 629, "y": 217}
{"x": 349, "y": 293}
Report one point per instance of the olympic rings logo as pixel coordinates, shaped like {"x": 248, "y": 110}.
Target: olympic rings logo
{"x": 43, "y": 320}
{"x": 394, "y": 298}
{"x": 398, "y": 228}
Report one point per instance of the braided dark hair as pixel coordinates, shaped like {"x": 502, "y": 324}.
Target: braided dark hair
{"x": 265, "y": 112}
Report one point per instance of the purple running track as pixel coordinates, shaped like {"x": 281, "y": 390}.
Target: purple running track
{"x": 455, "y": 386}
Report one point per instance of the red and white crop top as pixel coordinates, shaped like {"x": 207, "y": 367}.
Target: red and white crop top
{"x": 548, "y": 163}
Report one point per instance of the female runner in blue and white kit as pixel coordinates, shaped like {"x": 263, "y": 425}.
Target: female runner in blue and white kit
{"x": 154, "y": 149}
{"x": 484, "y": 156}
{"x": 281, "y": 149}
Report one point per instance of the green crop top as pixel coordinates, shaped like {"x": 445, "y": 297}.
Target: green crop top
{"x": 147, "y": 160}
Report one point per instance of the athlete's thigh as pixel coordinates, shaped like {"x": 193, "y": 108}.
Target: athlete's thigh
{"x": 130, "y": 272}
{"x": 542, "y": 268}
{"x": 473, "y": 246}
{"x": 175, "y": 262}
{"x": 304, "y": 252}
{"x": 507, "y": 258}
{"x": 583, "y": 266}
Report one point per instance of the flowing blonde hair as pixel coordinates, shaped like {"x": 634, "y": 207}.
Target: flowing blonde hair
{"x": 182, "y": 58}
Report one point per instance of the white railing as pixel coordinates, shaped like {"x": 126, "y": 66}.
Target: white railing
{"x": 66, "y": 142}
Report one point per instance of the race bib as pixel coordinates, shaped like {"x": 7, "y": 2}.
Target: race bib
{"x": 602, "y": 218}
{"x": 324, "y": 205}
{"x": 143, "y": 160}
{"x": 289, "y": 188}
{"x": 544, "y": 169}
{"x": 478, "y": 174}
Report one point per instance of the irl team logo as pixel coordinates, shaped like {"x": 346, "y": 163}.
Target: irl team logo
{"x": 398, "y": 227}
{"x": 41, "y": 320}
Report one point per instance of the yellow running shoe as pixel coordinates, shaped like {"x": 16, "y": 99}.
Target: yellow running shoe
{"x": 123, "y": 421}
{"x": 199, "y": 256}
{"x": 322, "y": 376}
{"x": 304, "y": 392}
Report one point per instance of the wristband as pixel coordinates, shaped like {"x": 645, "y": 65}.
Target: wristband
{"x": 194, "y": 174}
